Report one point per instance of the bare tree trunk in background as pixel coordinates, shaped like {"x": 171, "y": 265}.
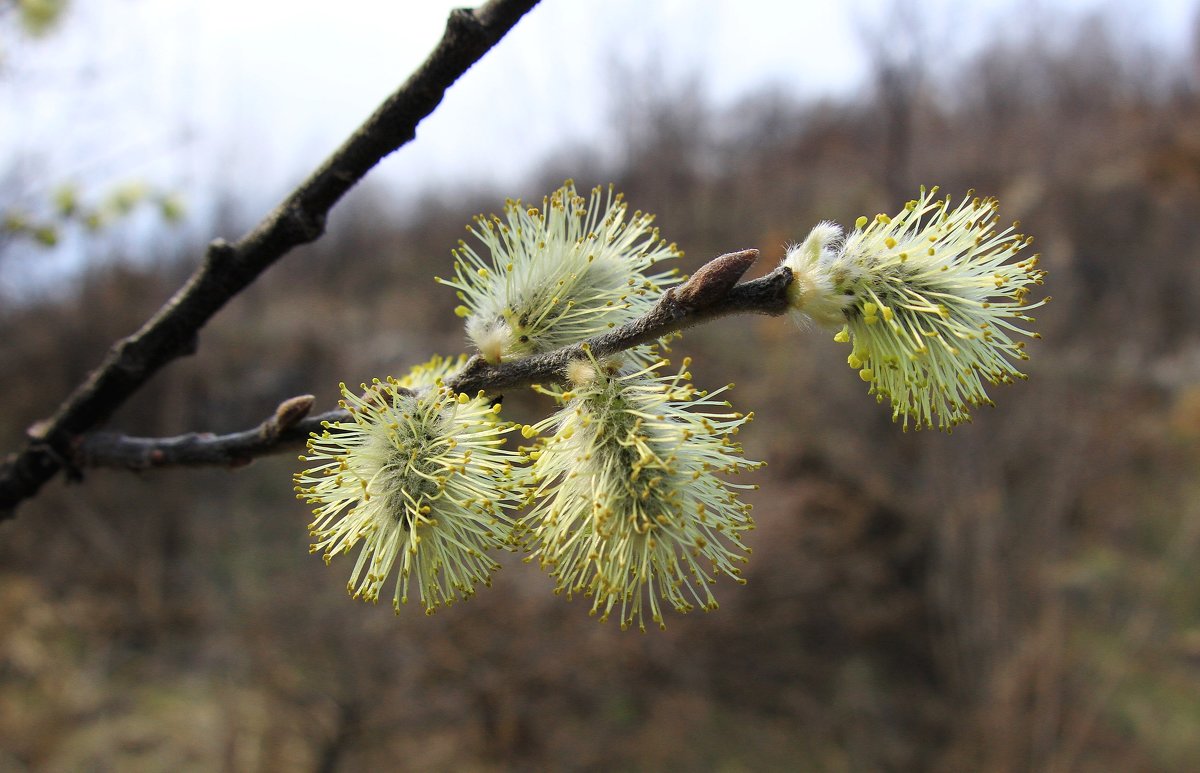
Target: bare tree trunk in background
{"x": 898, "y": 85}
{"x": 894, "y": 50}
{"x": 349, "y": 721}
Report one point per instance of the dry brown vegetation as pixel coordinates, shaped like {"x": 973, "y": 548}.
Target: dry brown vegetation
{"x": 1017, "y": 596}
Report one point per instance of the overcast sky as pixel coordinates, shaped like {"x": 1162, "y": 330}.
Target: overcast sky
{"x": 250, "y": 94}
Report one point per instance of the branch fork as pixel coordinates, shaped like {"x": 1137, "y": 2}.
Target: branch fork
{"x": 227, "y": 268}
{"x": 712, "y": 292}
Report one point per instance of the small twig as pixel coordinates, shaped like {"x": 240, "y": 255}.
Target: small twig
{"x": 285, "y": 426}
{"x": 697, "y": 301}
{"x": 228, "y": 268}
{"x": 711, "y": 293}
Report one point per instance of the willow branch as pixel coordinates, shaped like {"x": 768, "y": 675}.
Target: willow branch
{"x": 708, "y": 295}
{"x": 711, "y": 293}
{"x": 227, "y": 268}
{"x": 286, "y": 426}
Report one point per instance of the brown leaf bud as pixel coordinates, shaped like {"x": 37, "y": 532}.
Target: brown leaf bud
{"x": 714, "y": 279}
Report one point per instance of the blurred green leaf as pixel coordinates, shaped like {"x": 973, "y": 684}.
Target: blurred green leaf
{"x": 172, "y": 207}
{"x": 94, "y": 221}
{"x": 46, "y": 235}
{"x": 39, "y": 17}
{"x": 15, "y": 221}
{"x": 125, "y": 197}
{"x": 66, "y": 200}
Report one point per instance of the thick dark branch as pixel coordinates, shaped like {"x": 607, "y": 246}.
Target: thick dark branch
{"x": 228, "y": 268}
{"x": 711, "y": 293}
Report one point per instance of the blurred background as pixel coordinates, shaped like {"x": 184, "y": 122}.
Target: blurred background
{"x": 1019, "y": 595}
